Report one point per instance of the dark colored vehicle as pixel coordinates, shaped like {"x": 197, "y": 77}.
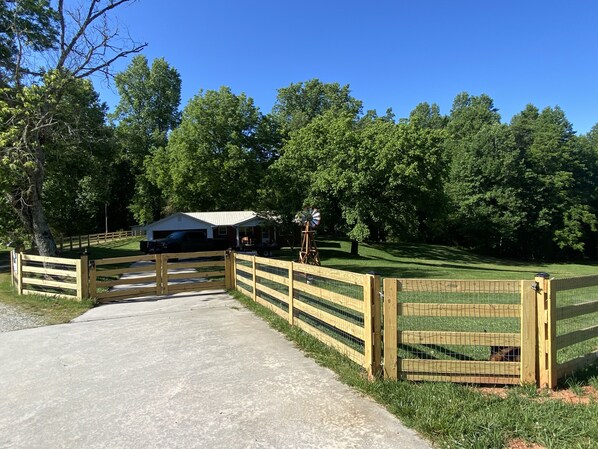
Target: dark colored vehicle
{"x": 183, "y": 242}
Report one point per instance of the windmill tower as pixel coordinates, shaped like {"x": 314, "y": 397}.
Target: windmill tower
{"x": 308, "y": 219}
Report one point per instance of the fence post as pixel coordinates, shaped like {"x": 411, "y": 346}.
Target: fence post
{"x": 529, "y": 333}
{"x": 164, "y": 264}
{"x": 227, "y": 270}
{"x": 82, "y": 277}
{"x": 20, "y": 273}
{"x": 371, "y": 321}
{"x": 71, "y": 243}
{"x": 233, "y": 270}
{"x": 158, "y": 268}
{"x": 253, "y": 273}
{"x": 546, "y": 300}
{"x": 88, "y": 241}
{"x": 13, "y": 256}
{"x": 61, "y": 244}
{"x": 93, "y": 291}
{"x": 291, "y": 294}
{"x": 391, "y": 311}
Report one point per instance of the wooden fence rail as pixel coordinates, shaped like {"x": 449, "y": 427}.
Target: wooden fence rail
{"x": 568, "y": 331}
{"x": 339, "y": 308}
{"x": 436, "y": 330}
{"x": 421, "y": 317}
{"x": 84, "y": 241}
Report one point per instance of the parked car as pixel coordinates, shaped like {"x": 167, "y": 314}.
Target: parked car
{"x": 183, "y": 242}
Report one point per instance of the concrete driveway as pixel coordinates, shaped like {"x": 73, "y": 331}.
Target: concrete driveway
{"x": 189, "y": 371}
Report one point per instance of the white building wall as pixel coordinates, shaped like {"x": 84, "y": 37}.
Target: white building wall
{"x": 178, "y": 222}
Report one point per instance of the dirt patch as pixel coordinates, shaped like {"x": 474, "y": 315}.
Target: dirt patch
{"x": 520, "y": 444}
{"x": 584, "y": 395}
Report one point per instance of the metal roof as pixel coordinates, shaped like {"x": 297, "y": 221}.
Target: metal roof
{"x": 228, "y": 218}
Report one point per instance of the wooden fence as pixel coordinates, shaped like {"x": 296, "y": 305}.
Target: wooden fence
{"x": 568, "y": 328}
{"x": 50, "y": 276}
{"x": 339, "y": 308}
{"x": 156, "y": 274}
{"x": 481, "y": 332}
{"x": 85, "y": 241}
{"x": 476, "y": 331}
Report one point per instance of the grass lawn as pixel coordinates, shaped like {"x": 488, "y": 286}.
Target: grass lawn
{"x": 452, "y": 416}
{"x": 58, "y": 310}
{"x": 460, "y": 416}
{"x": 403, "y": 260}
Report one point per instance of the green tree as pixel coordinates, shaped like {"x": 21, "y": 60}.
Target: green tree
{"x": 367, "y": 177}
{"x": 79, "y": 43}
{"x": 299, "y": 103}
{"x": 214, "y": 160}
{"x": 146, "y": 113}
{"x": 559, "y": 179}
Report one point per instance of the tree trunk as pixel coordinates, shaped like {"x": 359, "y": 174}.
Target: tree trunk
{"x": 354, "y": 248}
{"x": 28, "y": 205}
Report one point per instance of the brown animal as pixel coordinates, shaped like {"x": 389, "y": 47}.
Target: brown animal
{"x": 505, "y": 354}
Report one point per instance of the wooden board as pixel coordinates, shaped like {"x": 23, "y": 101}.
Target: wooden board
{"x": 52, "y": 295}
{"x": 245, "y": 292}
{"x": 244, "y": 257}
{"x": 277, "y": 310}
{"x": 559, "y": 285}
{"x": 330, "y": 273}
{"x": 49, "y": 283}
{"x": 333, "y": 320}
{"x": 459, "y": 367}
{"x": 272, "y": 277}
{"x": 120, "y": 271}
{"x": 195, "y": 287}
{"x": 59, "y": 260}
{"x": 128, "y": 293}
{"x": 128, "y": 259}
{"x": 273, "y": 262}
{"x": 49, "y": 271}
{"x": 354, "y": 355}
{"x": 471, "y": 379}
{"x": 176, "y": 265}
{"x": 196, "y": 274}
{"x": 245, "y": 269}
{"x": 283, "y": 297}
{"x": 457, "y": 286}
{"x": 563, "y": 341}
{"x": 571, "y": 366}
{"x": 574, "y": 310}
{"x": 460, "y": 310}
{"x": 458, "y": 338}
{"x": 194, "y": 255}
{"x": 336, "y": 298}
{"x": 127, "y": 281}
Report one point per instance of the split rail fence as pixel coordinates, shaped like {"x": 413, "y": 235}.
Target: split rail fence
{"x": 85, "y": 241}
{"x": 339, "y": 308}
{"x": 474, "y": 331}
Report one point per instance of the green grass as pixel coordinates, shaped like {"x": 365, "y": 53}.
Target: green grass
{"x": 403, "y": 260}
{"x": 57, "y": 310}
{"x": 458, "y": 416}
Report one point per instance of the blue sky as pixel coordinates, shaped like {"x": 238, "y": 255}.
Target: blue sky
{"x": 392, "y": 53}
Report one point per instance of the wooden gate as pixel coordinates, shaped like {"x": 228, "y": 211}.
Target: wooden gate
{"x": 480, "y": 332}
{"x": 156, "y": 274}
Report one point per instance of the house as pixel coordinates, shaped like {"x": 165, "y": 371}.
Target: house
{"x": 235, "y": 226}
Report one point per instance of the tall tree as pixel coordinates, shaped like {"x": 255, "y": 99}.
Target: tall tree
{"x": 215, "y": 159}
{"x": 299, "y": 103}
{"x": 147, "y": 111}
{"x": 79, "y": 43}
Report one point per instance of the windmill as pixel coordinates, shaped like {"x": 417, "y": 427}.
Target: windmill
{"x": 308, "y": 219}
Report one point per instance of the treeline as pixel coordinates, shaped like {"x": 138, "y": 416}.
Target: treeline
{"x": 526, "y": 189}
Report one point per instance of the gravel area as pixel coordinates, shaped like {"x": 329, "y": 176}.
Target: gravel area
{"x": 12, "y": 319}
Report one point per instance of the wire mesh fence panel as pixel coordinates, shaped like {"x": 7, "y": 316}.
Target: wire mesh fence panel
{"x": 463, "y": 331}
{"x": 332, "y": 304}
{"x": 576, "y": 321}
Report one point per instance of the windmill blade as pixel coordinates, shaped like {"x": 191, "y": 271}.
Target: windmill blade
{"x": 315, "y": 218}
